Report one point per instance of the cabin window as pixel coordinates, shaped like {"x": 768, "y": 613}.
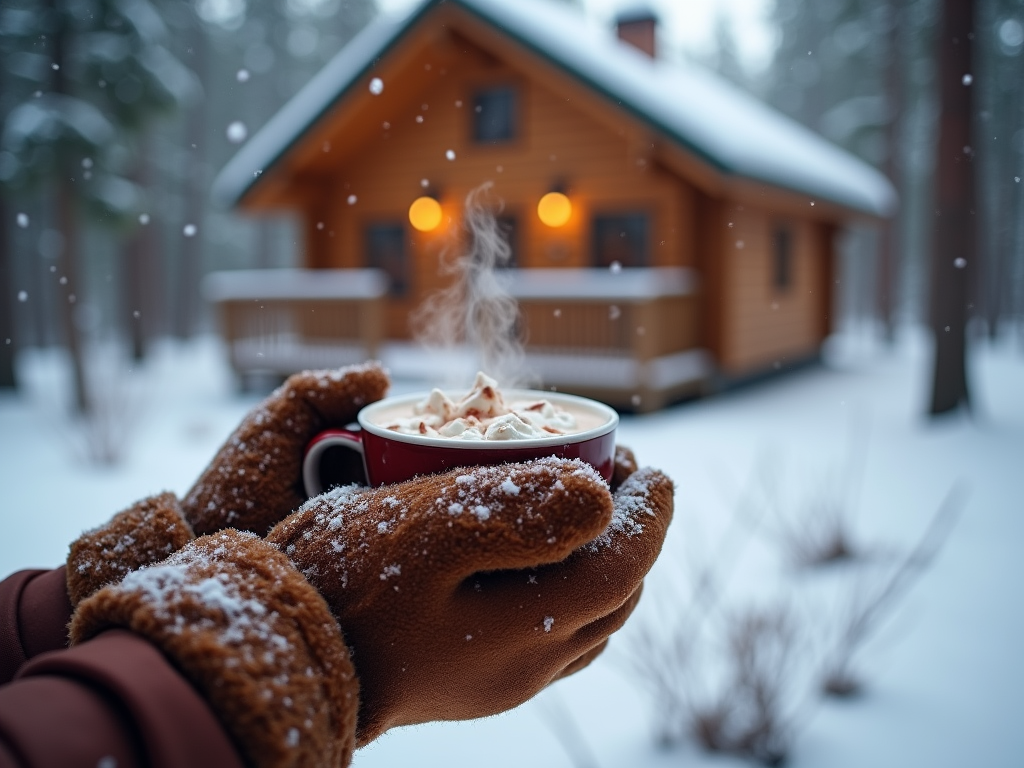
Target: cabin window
{"x": 386, "y": 250}
{"x": 622, "y": 238}
{"x": 494, "y": 115}
{"x": 507, "y": 229}
{"x": 782, "y": 271}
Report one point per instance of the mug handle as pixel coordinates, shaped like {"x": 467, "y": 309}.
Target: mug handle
{"x": 313, "y": 462}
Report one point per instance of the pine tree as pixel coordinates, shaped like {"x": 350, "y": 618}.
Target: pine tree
{"x": 90, "y": 75}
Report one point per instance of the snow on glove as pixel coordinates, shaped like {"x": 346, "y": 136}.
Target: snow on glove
{"x": 464, "y": 594}
{"x": 146, "y": 532}
{"x": 253, "y": 637}
{"x": 255, "y": 480}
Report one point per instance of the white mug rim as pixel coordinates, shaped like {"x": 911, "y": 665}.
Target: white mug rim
{"x": 555, "y": 398}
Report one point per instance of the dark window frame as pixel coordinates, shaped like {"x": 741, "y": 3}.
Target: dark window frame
{"x": 782, "y": 258}
{"x": 397, "y": 264}
{"x": 508, "y": 225}
{"x": 632, "y": 225}
{"x": 504, "y": 127}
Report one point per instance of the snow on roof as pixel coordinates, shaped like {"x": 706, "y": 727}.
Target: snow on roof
{"x": 731, "y": 130}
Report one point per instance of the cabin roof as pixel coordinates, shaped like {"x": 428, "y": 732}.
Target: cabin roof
{"x": 715, "y": 120}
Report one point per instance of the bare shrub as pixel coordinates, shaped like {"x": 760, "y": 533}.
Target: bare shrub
{"x": 754, "y": 714}
{"x": 745, "y": 681}
{"x": 871, "y": 600}
{"x": 103, "y": 434}
{"x": 818, "y": 530}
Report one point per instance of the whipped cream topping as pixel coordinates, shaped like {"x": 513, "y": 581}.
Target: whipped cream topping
{"x": 483, "y": 414}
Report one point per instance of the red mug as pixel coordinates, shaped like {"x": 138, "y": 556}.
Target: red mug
{"x": 379, "y": 456}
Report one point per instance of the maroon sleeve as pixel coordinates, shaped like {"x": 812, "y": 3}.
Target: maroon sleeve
{"x": 114, "y": 700}
{"x": 34, "y": 615}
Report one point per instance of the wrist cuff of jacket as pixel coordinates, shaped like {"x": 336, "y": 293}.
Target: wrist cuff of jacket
{"x": 254, "y": 637}
{"x": 145, "y": 533}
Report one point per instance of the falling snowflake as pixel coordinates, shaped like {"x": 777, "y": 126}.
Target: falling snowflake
{"x": 237, "y": 132}
{"x": 242, "y": 75}
{"x": 424, "y": 183}
{"x": 615, "y": 267}
{"x": 614, "y": 312}
{"x": 23, "y": 220}
{"x": 143, "y": 219}
{"x": 351, "y": 200}
{"x": 189, "y": 230}
{"x": 87, "y": 162}
{"x": 450, "y": 154}
{"x": 22, "y": 296}
{"x": 376, "y": 86}
{"x": 967, "y": 79}
{"x": 960, "y": 262}
{"x": 549, "y": 622}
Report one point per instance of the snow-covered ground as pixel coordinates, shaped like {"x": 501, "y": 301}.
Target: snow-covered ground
{"x": 945, "y": 677}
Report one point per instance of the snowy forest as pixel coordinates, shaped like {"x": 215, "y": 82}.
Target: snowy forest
{"x": 836, "y": 589}
{"x": 117, "y": 116}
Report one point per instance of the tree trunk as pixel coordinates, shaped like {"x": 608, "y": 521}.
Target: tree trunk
{"x": 141, "y": 267}
{"x": 7, "y": 335}
{"x": 67, "y": 222}
{"x": 67, "y": 225}
{"x": 890, "y": 240}
{"x": 953, "y": 248}
{"x": 190, "y": 256}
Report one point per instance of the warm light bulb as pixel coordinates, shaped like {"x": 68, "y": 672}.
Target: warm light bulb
{"x": 554, "y": 209}
{"x": 425, "y": 213}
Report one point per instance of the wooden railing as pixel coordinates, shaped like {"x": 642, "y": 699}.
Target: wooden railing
{"x": 281, "y": 321}
{"x": 630, "y": 338}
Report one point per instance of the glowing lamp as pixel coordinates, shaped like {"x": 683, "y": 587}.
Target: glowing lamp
{"x": 554, "y": 209}
{"x": 425, "y": 213}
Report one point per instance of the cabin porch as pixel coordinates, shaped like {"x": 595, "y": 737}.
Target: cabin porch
{"x": 631, "y": 338}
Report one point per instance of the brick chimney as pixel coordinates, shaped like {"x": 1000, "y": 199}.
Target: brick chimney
{"x": 638, "y": 26}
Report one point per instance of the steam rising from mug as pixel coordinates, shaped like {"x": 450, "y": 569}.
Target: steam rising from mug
{"x": 477, "y": 309}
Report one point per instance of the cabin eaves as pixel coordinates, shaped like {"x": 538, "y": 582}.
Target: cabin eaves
{"x": 728, "y": 129}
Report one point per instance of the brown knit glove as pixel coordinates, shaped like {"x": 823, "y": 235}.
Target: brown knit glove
{"x": 146, "y": 532}
{"x": 255, "y": 480}
{"x": 464, "y": 594}
{"x": 252, "y": 635}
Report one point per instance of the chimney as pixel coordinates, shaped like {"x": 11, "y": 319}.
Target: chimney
{"x": 638, "y": 26}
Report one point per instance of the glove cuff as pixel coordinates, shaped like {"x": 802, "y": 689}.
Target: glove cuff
{"x": 145, "y": 533}
{"x": 253, "y": 636}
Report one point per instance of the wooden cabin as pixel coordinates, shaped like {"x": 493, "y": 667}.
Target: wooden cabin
{"x": 718, "y": 214}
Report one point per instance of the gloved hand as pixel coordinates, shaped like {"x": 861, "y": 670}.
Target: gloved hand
{"x": 464, "y": 594}
{"x": 254, "y": 481}
{"x": 459, "y": 595}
